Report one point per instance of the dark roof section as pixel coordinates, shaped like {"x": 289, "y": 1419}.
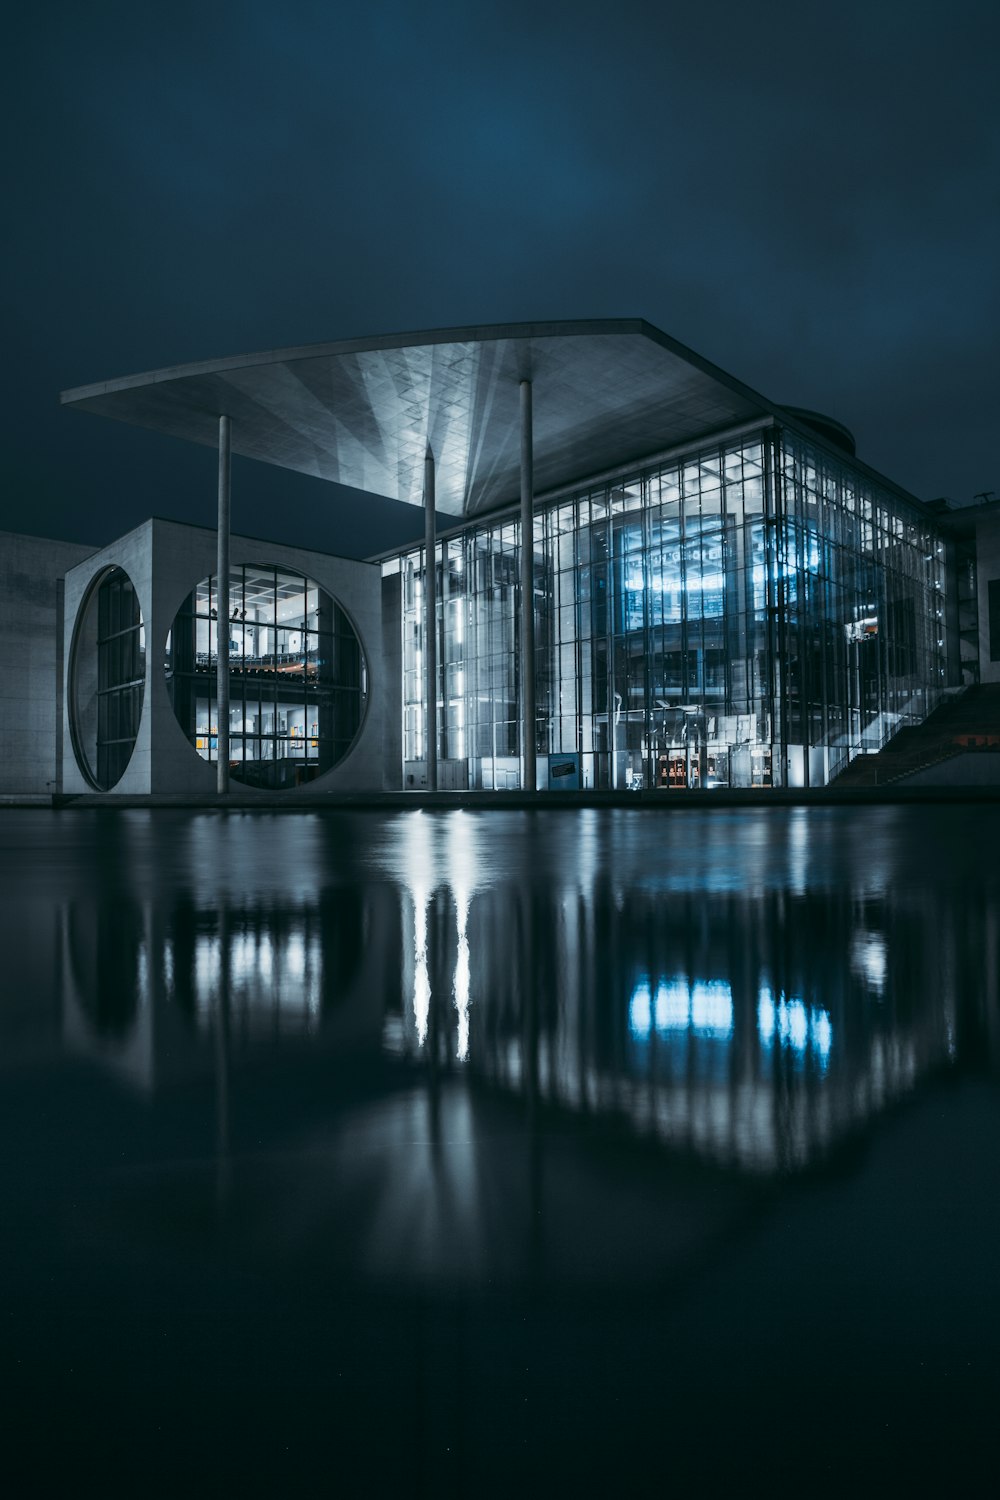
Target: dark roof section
{"x": 828, "y": 427}
{"x": 361, "y": 412}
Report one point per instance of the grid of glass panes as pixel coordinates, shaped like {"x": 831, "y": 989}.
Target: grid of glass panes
{"x": 864, "y": 610}
{"x": 491, "y": 656}
{"x": 121, "y": 675}
{"x": 414, "y": 726}
{"x": 477, "y": 632}
{"x": 713, "y": 622}
{"x": 702, "y": 588}
{"x": 297, "y": 677}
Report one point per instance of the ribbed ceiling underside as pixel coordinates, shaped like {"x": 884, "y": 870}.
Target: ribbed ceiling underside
{"x": 362, "y": 412}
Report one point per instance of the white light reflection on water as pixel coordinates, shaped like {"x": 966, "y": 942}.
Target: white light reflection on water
{"x": 271, "y": 979}
{"x": 869, "y": 959}
{"x": 295, "y": 957}
{"x": 417, "y": 855}
{"x": 798, "y": 850}
{"x": 441, "y": 863}
{"x": 207, "y": 967}
{"x": 461, "y": 986}
{"x": 462, "y": 866}
{"x": 421, "y": 975}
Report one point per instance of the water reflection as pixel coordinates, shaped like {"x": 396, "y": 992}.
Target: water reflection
{"x": 278, "y": 1067}
{"x": 148, "y": 977}
{"x": 588, "y": 963}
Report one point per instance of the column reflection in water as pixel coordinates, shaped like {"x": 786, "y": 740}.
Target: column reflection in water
{"x": 440, "y": 869}
{"x": 462, "y": 854}
{"x": 421, "y": 977}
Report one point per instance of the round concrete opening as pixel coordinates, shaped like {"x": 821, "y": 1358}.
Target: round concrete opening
{"x": 107, "y": 678}
{"x": 297, "y": 676}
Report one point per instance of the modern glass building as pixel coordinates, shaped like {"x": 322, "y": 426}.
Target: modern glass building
{"x": 750, "y": 613}
{"x": 717, "y": 592}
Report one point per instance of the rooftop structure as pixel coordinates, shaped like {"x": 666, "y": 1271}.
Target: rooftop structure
{"x": 363, "y": 412}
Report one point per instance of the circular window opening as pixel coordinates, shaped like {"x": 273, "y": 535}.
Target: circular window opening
{"x": 107, "y": 678}
{"x": 297, "y": 677}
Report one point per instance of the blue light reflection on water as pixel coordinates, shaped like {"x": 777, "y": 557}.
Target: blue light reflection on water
{"x": 704, "y": 1007}
{"x": 789, "y": 1022}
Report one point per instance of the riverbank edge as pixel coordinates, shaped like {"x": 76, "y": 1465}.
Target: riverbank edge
{"x": 661, "y": 801}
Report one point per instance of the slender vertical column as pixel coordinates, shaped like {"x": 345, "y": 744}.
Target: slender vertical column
{"x": 222, "y": 610}
{"x": 430, "y": 623}
{"x": 527, "y": 591}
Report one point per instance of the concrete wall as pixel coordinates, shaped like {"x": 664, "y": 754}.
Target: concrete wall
{"x": 975, "y": 768}
{"x": 31, "y": 572}
{"x": 165, "y": 561}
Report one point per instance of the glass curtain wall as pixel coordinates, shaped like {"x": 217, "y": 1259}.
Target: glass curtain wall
{"x": 753, "y": 615}
{"x": 862, "y": 601}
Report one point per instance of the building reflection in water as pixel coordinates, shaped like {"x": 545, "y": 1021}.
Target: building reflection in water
{"x": 144, "y": 981}
{"x": 753, "y": 996}
{"x": 757, "y": 1027}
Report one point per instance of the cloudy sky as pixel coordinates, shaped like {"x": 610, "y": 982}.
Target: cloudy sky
{"x": 806, "y": 194}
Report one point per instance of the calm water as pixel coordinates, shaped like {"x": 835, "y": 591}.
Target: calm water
{"x": 631, "y": 1151}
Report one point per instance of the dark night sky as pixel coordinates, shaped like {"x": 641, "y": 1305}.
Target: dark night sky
{"x": 809, "y": 195}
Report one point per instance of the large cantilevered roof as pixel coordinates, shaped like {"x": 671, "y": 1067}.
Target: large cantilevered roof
{"x": 362, "y": 412}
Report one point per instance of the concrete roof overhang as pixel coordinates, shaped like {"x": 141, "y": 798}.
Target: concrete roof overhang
{"x": 362, "y": 412}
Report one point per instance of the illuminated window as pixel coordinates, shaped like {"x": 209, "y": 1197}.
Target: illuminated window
{"x": 297, "y": 676}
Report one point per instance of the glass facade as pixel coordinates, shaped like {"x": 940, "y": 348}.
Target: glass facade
{"x": 107, "y": 679}
{"x": 754, "y": 614}
{"x": 297, "y": 676}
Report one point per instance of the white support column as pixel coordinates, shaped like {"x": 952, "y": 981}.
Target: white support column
{"x": 222, "y": 610}
{"x": 529, "y": 780}
{"x": 430, "y": 624}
